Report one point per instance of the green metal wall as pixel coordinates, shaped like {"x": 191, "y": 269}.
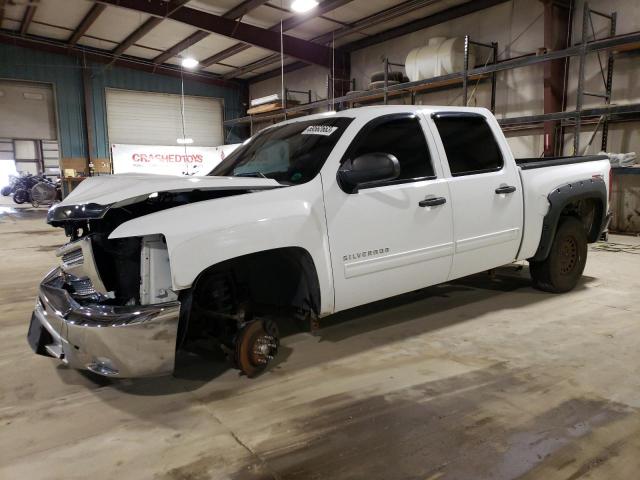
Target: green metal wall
{"x": 65, "y": 73}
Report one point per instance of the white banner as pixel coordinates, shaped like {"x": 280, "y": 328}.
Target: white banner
{"x": 167, "y": 160}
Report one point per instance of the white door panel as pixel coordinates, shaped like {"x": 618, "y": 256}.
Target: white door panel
{"x": 487, "y": 224}
{"x": 383, "y": 242}
{"x": 387, "y": 243}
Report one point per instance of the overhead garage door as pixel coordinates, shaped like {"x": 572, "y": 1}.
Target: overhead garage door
{"x": 147, "y": 118}
{"x": 27, "y": 111}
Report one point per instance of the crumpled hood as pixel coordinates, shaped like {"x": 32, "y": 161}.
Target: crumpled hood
{"x": 110, "y": 189}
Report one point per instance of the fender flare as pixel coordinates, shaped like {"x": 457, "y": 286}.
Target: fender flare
{"x": 559, "y": 198}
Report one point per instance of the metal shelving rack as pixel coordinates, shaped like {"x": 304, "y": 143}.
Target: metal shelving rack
{"x": 610, "y": 44}
{"x": 587, "y": 21}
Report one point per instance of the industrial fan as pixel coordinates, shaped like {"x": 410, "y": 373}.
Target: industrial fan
{"x": 44, "y": 192}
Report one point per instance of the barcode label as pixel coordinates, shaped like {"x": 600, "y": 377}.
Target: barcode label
{"x": 325, "y": 130}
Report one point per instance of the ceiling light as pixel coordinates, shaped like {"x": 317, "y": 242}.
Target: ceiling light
{"x": 189, "y": 62}
{"x": 302, "y": 6}
{"x": 184, "y": 141}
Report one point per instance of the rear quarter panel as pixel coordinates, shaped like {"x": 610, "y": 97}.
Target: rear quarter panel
{"x": 538, "y": 183}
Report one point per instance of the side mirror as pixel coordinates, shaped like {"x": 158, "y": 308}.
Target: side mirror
{"x": 368, "y": 170}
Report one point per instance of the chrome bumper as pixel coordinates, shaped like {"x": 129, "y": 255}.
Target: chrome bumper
{"x": 114, "y": 341}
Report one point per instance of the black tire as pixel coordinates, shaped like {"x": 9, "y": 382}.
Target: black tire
{"x": 392, "y": 76}
{"x": 562, "y": 269}
{"x": 375, "y": 85}
{"x": 20, "y": 196}
{"x": 6, "y": 191}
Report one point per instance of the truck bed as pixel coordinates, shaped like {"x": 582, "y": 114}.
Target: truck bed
{"x": 542, "y": 162}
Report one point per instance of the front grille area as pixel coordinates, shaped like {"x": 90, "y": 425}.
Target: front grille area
{"x": 81, "y": 287}
{"x": 73, "y": 258}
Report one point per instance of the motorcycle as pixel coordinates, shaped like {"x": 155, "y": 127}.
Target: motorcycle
{"x": 36, "y": 189}
{"x": 22, "y": 188}
{"x": 8, "y": 189}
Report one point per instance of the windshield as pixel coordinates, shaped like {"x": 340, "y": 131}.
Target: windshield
{"x": 290, "y": 154}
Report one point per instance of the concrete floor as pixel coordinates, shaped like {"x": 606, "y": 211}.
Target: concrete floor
{"x": 481, "y": 379}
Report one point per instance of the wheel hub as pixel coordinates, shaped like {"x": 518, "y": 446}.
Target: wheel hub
{"x": 256, "y": 346}
{"x": 568, "y": 255}
{"x": 264, "y": 350}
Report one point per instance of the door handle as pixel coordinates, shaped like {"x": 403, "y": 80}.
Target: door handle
{"x": 505, "y": 189}
{"x": 432, "y": 202}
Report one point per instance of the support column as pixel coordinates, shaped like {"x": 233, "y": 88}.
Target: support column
{"x": 557, "y": 36}
{"x": 89, "y": 119}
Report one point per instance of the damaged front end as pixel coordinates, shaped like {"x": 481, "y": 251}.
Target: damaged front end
{"x": 99, "y": 323}
{"x": 110, "y": 307}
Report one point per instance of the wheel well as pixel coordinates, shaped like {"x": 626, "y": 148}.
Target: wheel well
{"x": 283, "y": 277}
{"x": 583, "y": 199}
{"x": 589, "y": 211}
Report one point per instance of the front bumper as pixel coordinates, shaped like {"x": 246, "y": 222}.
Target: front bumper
{"x": 114, "y": 341}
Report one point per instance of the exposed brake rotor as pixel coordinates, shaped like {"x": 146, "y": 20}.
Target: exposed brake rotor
{"x": 256, "y": 346}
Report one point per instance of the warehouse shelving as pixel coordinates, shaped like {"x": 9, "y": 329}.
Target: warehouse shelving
{"x": 612, "y": 44}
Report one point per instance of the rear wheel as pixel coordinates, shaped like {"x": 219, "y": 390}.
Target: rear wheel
{"x": 20, "y": 196}
{"x": 563, "y": 267}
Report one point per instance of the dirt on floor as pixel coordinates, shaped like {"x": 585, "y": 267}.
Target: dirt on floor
{"x": 484, "y": 378}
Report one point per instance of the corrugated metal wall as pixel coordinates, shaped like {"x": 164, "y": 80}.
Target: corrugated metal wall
{"x": 65, "y": 73}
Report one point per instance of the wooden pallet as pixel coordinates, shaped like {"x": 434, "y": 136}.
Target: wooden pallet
{"x": 270, "y": 107}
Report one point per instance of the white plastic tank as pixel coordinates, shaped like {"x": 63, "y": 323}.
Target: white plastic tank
{"x": 440, "y": 56}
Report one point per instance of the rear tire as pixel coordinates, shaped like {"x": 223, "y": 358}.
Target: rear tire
{"x": 562, "y": 269}
{"x": 20, "y": 196}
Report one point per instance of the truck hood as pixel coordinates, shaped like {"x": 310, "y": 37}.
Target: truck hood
{"x": 95, "y": 195}
{"x": 109, "y": 189}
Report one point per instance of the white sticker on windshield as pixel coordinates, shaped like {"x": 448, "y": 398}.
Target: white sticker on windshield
{"x": 325, "y": 130}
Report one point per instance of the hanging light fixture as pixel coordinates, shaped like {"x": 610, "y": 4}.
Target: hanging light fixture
{"x": 302, "y": 6}
{"x": 190, "y": 63}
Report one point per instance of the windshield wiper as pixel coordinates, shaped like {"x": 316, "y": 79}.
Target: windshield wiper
{"x": 251, "y": 174}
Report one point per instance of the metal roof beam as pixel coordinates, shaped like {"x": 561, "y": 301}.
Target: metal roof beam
{"x": 27, "y": 18}
{"x": 147, "y": 26}
{"x": 244, "y": 8}
{"x": 2, "y": 5}
{"x": 377, "y": 19}
{"x": 287, "y": 24}
{"x": 86, "y": 23}
{"x": 107, "y": 57}
{"x": 301, "y": 49}
{"x": 370, "y": 21}
{"x": 233, "y": 14}
{"x": 443, "y": 16}
{"x": 181, "y": 46}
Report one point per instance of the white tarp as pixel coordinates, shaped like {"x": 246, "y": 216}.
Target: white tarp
{"x": 167, "y": 160}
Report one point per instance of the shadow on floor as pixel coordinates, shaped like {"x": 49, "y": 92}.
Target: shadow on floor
{"x": 413, "y": 313}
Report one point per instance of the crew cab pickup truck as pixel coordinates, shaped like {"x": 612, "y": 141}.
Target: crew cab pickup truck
{"x": 307, "y": 218}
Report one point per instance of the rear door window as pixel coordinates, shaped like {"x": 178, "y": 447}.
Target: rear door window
{"x": 469, "y": 143}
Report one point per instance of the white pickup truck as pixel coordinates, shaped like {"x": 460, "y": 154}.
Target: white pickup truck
{"x": 307, "y": 218}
